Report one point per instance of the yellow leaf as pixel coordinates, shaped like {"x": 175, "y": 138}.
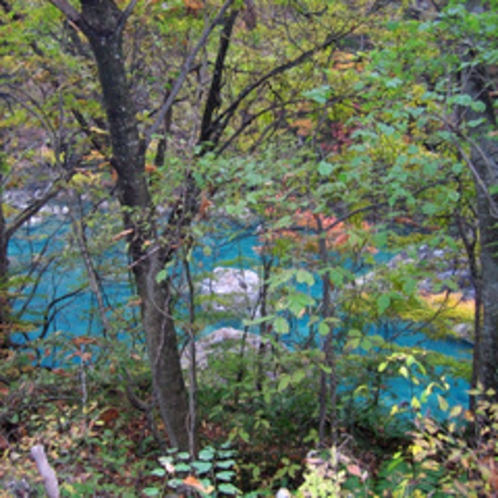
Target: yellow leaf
{"x": 47, "y": 154}
{"x": 98, "y": 131}
{"x": 82, "y": 179}
{"x": 416, "y": 450}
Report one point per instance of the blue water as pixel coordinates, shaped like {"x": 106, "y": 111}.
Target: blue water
{"x": 76, "y": 315}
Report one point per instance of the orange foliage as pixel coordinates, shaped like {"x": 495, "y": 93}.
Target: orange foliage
{"x": 82, "y": 340}
{"x": 193, "y": 6}
{"x": 193, "y": 482}
{"x": 303, "y": 126}
{"x": 308, "y": 227}
{"x": 204, "y": 205}
{"x": 343, "y": 61}
{"x": 150, "y": 168}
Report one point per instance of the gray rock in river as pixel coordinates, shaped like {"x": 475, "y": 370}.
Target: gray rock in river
{"x": 215, "y": 344}
{"x": 230, "y": 289}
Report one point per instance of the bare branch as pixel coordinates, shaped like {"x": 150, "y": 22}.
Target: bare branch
{"x": 224, "y": 118}
{"x": 184, "y": 72}
{"x": 68, "y": 10}
{"x": 126, "y": 14}
{"x": 31, "y": 210}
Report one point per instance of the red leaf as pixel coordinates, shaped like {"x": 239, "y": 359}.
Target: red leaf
{"x": 354, "y": 470}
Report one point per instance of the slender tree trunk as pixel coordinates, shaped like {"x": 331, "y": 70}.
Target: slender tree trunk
{"x": 470, "y": 243}
{"x": 328, "y": 376}
{"x": 102, "y": 22}
{"x": 4, "y": 275}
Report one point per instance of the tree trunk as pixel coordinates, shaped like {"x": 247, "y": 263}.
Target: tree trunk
{"x": 4, "y": 275}
{"x": 102, "y": 22}
{"x": 484, "y": 162}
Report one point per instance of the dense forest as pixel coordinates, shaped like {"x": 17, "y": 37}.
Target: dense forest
{"x": 248, "y": 248}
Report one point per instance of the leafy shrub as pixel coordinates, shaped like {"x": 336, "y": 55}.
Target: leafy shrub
{"x": 211, "y": 474}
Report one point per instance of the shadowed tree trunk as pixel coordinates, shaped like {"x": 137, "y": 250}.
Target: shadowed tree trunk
{"x": 483, "y": 161}
{"x": 103, "y": 23}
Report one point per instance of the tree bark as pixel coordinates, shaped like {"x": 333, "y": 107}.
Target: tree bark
{"x": 102, "y": 22}
{"x": 484, "y": 163}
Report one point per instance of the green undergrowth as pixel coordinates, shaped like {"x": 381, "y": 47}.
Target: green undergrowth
{"x": 258, "y": 414}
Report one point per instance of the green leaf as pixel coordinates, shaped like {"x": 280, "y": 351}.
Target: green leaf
{"x": 383, "y": 303}
{"x": 284, "y": 382}
{"x": 175, "y": 483}
{"x": 366, "y": 344}
{"x": 158, "y": 472}
{"x": 325, "y": 168}
{"x": 355, "y": 333}
{"x": 430, "y": 208}
{"x": 395, "y": 462}
{"x": 226, "y": 475}
{"x": 281, "y": 278}
{"x": 229, "y": 489}
{"x": 319, "y": 95}
{"x": 477, "y": 106}
{"x": 182, "y": 467}
{"x": 474, "y": 123}
{"x": 298, "y": 376}
{"x": 305, "y": 277}
{"x": 298, "y": 301}
{"x": 202, "y": 467}
{"x": 207, "y": 453}
{"x": 281, "y": 325}
{"x": 225, "y": 464}
{"x": 386, "y": 129}
{"x": 161, "y": 275}
{"x": 392, "y": 25}
{"x": 404, "y": 371}
{"x": 336, "y": 276}
{"x": 151, "y": 491}
{"x": 352, "y": 344}
{"x": 257, "y": 321}
{"x": 393, "y": 83}
{"x": 493, "y": 189}
{"x": 461, "y": 99}
{"x": 443, "y": 403}
{"x": 323, "y": 328}
{"x": 415, "y": 403}
{"x": 409, "y": 286}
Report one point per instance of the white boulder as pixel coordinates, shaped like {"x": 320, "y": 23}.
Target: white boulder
{"x": 230, "y": 289}
{"x": 218, "y": 342}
